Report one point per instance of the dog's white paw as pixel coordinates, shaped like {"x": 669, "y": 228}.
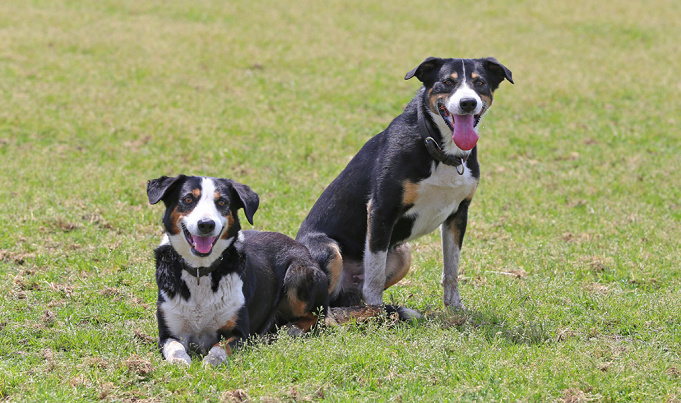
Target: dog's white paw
{"x": 175, "y": 353}
{"x": 183, "y": 361}
{"x": 452, "y": 298}
{"x": 216, "y": 356}
{"x": 455, "y": 305}
{"x": 295, "y": 331}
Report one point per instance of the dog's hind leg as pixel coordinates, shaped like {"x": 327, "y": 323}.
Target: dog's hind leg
{"x": 396, "y": 267}
{"x": 327, "y": 253}
{"x": 452, "y": 231}
{"x": 397, "y": 264}
{"x": 306, "y": 295}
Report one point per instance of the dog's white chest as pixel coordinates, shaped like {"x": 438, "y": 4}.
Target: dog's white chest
{"x": 196, "y": 321}
{"x": 438, "y": 197}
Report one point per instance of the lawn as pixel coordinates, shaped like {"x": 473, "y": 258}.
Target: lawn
{"x": 570, "y": 267}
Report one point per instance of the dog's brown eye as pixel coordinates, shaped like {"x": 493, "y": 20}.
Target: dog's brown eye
{"x": 188, "y": 199}
{"x": 479, "y": 83}
{"x": 449, "y": 81}
{"x": 222, "y": 203}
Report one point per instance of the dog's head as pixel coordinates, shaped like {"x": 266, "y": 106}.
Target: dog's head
{"x": 201, "y": 218}
{"x": 459, "y": 92}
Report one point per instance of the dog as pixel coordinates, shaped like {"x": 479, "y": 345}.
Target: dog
{"x": 219, "y": 285}
{"x": 420, "y": 173}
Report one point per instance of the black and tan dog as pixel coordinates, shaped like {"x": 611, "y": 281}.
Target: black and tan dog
{"x": 218, "y": 285}
{"x": 417, "y": 175}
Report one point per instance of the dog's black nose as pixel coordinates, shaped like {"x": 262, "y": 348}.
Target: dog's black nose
{"x": 468, "y": 104}
{"x": 206, "y": 225}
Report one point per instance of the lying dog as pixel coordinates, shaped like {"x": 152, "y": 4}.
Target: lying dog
{"x": 218, "y": 285}
{"x": 419, "y": 173}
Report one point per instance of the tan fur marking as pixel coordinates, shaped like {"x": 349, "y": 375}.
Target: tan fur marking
{"x": 216, "y": 195}
{"x": 397, "y": 265}
{"x": 225, "y": 345}
{"x": 410, "y": 192}
{"x": 298, "y": 307}
{"x": 475, "y": 75}
{"x": 456, "y": 234}
{"x": 229, "y": 326}
{"x": 454, "y": 75}
{"x": 335, "y": 268}
{"x": 230, "y": 222}
{"x": 432, "y": 102}
{"x": 486, "y": 100}
{"x": 196, "y": 193}
{"x": 175, "y": 217}
{"x": 306, "y": 322}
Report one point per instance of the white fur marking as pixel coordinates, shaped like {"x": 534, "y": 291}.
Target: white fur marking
{"x": 451, "y": 254}
{"x": 205, "y": 208}
{"x": 464, "y": 91}
{"x": 216, "y": 356}
{"x": 176, "y": 353}
{"x": 374, "y": 275}
{"x": 196, "y": 321}
{"x": 439, "y": 196}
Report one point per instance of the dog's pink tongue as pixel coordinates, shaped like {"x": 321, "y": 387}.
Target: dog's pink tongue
{"x": 203, "y": 244}
{"x": 464, "y": 134}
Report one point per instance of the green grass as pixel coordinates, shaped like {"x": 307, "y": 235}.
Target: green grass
{"x": 570, "y": 267}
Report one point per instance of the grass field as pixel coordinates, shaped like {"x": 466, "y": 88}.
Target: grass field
{"x": 570, "y": 267}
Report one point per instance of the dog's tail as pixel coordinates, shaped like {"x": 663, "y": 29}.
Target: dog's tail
{"x": 403, "y": 313}
{"x": 365, "y": 313}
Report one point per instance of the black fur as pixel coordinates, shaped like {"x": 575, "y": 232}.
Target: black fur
{"x": 387, "y": 162}
{"x": 271, "y": 267}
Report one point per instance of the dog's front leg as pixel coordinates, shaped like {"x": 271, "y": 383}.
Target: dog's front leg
{"x": 219, "y": 353}
{"x": 452, "y": 231}
{"x": 379, "y": 230}
{"x": 175, "y": 352}
{"x": 231, "y": 336}
{"x": 374, "y": 275}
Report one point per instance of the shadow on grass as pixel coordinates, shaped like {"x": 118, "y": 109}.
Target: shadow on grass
{"x": 492, "y": 326}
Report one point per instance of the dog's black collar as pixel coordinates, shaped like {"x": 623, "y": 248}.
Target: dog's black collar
{"x": 435, "y": 150}
{"x": 199, "y": 272}
{"x": 448, "y": 159}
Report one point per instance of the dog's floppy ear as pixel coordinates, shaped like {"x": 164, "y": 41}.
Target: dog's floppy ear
{"x": 159, "y": 187}
{"x": 247, "y": 199}
{"x": 423, "y": 70}
{"x": 498, "y": 70}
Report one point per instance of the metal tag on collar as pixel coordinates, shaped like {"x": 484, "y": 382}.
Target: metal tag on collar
{"x": 463, "y": 166}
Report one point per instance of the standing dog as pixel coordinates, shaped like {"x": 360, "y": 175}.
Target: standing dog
{"x": 419, "y": 173}
{"x": 218, "y": 285}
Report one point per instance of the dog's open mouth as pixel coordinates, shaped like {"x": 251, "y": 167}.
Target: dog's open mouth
{"x": 201, "y": 245}
{"x": 462, "y": 126}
